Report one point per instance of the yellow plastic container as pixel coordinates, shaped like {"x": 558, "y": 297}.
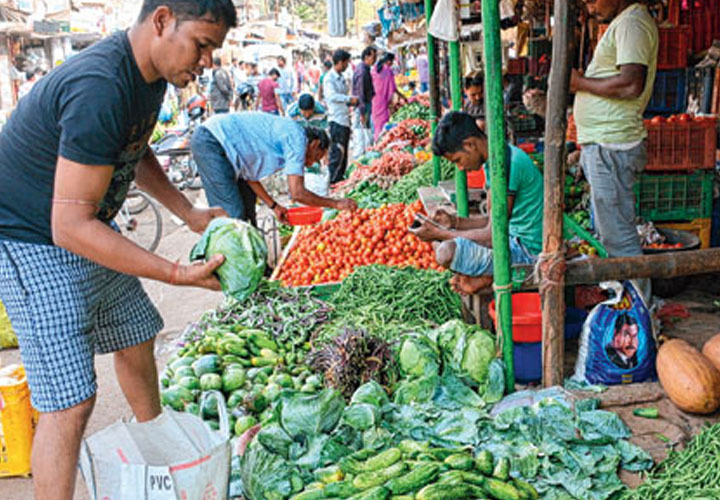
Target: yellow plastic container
{"x": 17, "y": 422}
{"x": 7, "y": 335}
{"x": 702, "y": 228}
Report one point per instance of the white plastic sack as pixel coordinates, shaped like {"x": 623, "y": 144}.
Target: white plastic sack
{"x": 174, "y": 457}
{"x": 318, "y": 183}
{"x": 443, "y": 23}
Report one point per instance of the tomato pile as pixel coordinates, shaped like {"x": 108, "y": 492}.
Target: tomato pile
{"x": 329, "y": 252}
{"x": 680, "y": 118}
{"x": 664, "y": 246}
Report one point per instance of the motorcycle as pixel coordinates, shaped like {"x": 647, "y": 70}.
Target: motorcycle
{"x": 173, "y": 149}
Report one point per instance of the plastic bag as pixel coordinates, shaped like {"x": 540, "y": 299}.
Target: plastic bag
{"x": 617, "y": 345}
{"x": 318, "y": 182}
{"x": 245, "y": 254}
{"x": 443, "y": 23}
{"x": 172, "y": 457}
{"x": 7, "y": 335}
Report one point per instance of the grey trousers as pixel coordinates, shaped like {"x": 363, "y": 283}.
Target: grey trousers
{"x": 612, "y": 175}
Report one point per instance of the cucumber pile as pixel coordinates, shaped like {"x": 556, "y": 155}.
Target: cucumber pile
{"x": 415, "y": 471}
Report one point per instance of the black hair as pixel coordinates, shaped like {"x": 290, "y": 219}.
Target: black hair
{"x": 452, "y": 131}
{"x": 217, "y": 61}
{"x": 412, "y": 85}
{"x": 281, "y": 58}
{"x": 388, "y": 57}
{"x": 274, "y": 72}
{"x": 185, "y": 10}
{"x": 369, "y": 50}
{"x": 476, "y": 80}
{"x": 306, "y": 101}
{"x": 327, "y": 64}
{"x": 313, "y": 133}
{"x": 340, "y": 55}
{"x": 623, "y": 320}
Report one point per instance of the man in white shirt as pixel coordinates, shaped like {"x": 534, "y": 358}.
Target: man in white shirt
{"x": 338, "y": 100}
{"x": 286, "y": 90}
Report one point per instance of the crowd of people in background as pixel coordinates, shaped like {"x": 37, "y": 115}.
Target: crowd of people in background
{"x": 348, "y": 99}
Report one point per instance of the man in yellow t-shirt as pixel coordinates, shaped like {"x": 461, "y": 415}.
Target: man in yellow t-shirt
{"x": 611, "y": 98}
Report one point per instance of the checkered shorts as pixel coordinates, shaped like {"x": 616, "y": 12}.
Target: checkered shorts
{"x": 64, "y": 309}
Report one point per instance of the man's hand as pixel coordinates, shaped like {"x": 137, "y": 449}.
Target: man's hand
{"x": 575, "y": 78}
{"x": 199, "y": 274}
{"x": 445, "y": 218}
{"x": 427, "y": 232}
{"x": 199, "y": 218}
{"x": 280, "y": 213}
{"x": 346, "y": 204}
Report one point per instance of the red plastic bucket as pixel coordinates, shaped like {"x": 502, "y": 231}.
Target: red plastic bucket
{"x": 476, "y": 179}
{"x": 526, "y": 317}
{"x": 303, "y": 216}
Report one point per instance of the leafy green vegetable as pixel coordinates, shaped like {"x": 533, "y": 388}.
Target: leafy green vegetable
{"x": 418, "y": 390}
{"x": 245, "y": 254}
{"x": 311, "y": 415}
{"x": 563, "y": 454}
{"x": 371, "y": 393}
{"x": 419, "y": 356}
{"x": 265, "y": 475}
{"x": 275, "y": 439}
{"x": 361, "y": 416}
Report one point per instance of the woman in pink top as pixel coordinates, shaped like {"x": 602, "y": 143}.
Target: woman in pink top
{"x": 384, "y": 84}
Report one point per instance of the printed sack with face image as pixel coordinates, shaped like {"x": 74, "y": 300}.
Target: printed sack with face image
{"x": 617, "y": 345}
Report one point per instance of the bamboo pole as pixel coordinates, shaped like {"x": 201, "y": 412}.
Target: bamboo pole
{"x": 498, "y": 176}
{"x": 435, "y": 109}
{"x": 461, "y": 191}
{"x": 664, "y": 265}
{"x": 552, "y": 293}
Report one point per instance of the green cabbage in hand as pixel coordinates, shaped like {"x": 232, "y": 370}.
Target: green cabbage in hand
{"x": 245, "y": 254}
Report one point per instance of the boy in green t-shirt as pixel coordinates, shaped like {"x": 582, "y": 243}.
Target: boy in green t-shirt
{"x": 466, "y": 246}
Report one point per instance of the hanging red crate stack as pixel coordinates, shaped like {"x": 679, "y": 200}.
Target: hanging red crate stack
{"x": 701, "y": 16}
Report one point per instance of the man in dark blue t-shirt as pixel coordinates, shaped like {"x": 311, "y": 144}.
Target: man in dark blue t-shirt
{"x": 69, "y": 281}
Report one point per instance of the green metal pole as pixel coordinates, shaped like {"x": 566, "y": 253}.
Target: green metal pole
{"x": 461, "y": 191}
{"x": 498, "y": 179}
{"x": 434, "y": 88}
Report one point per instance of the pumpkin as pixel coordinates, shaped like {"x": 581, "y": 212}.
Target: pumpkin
{"x": 711, "y": 350}
{"x": 689, "y": 378}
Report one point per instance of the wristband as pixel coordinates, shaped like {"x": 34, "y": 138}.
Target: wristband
{"x": 274, "y": 204}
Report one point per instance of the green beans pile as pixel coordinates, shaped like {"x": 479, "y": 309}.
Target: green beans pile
{"x": 693, "y": 473}
{"x": 396, "y": 296}
{"x": 405, "y": 190}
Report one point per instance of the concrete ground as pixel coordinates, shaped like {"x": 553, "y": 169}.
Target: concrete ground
{"x": 179, "y": 306}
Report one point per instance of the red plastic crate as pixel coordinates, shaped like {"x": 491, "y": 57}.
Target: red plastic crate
{"x": 701, "y": 27}
{"x": 673, "y": 48}
{"x": 517, "y": 66}
{"x": 681, "y": 146}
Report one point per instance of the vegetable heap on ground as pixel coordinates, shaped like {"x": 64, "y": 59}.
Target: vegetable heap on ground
{"x": 390, "y": 164}
{"x": 407, "y": 133}
{"x": 389, "y": 302}
{"x": 691, "y": 473}
{"x": 250, "y": 350}
{"x": 330, "y": 251}
{"x": 412, "y": 111}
